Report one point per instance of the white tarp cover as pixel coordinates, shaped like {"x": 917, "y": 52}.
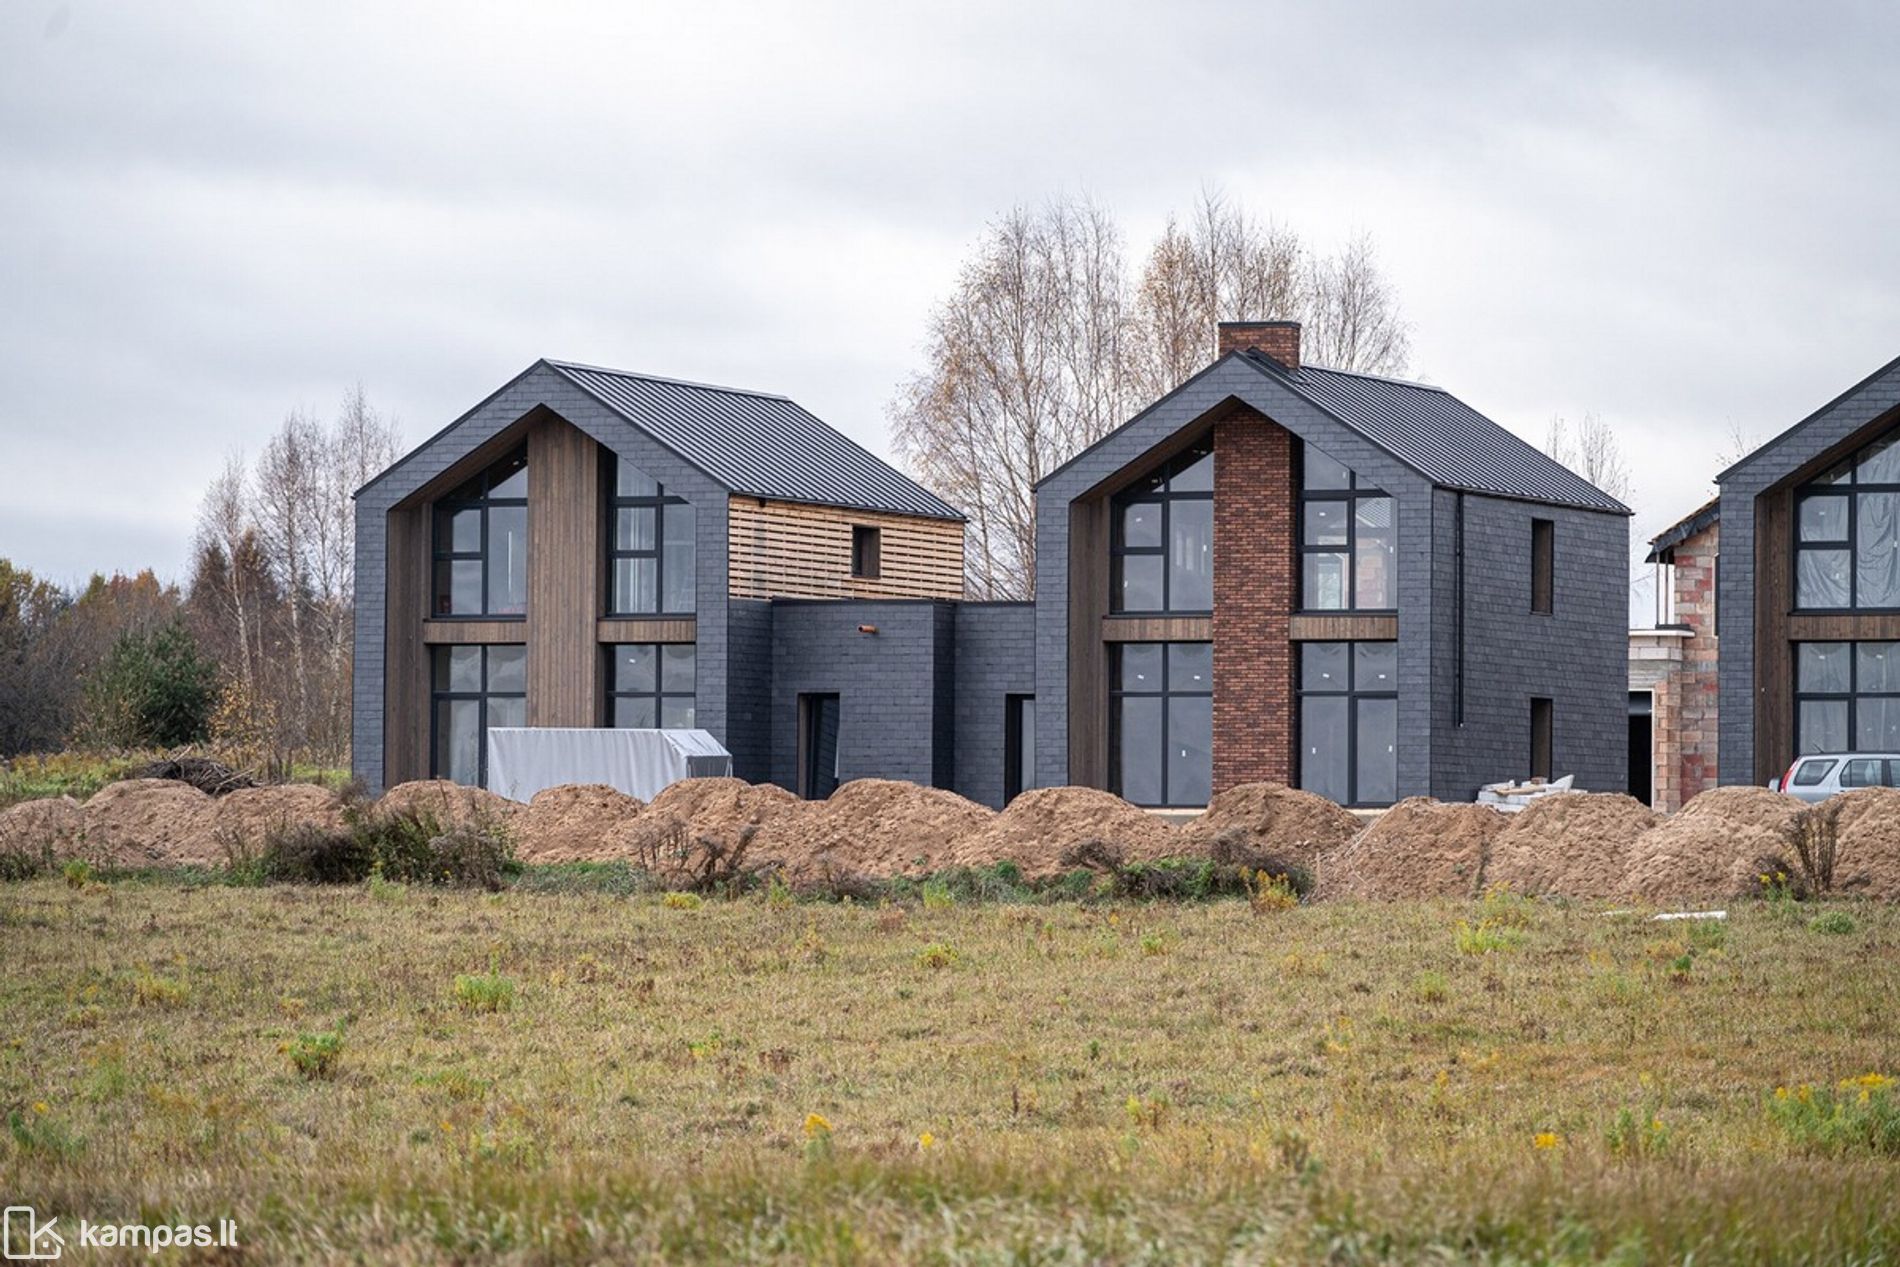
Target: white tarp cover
{"x": 523, "y": 760}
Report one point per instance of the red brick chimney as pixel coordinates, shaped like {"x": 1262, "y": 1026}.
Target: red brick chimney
{"x": 1278, "y": 339}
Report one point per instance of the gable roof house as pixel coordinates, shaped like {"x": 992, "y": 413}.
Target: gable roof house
{"x": 1277, "y": 571}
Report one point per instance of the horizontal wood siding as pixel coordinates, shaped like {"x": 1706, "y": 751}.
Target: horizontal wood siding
{"x": 1157, "y": 629}
{"x": 635, "y": 630}
{"x": 450, "y": 632}
{"x": 787, "y": 550}
{"x": 1344, "y": 628}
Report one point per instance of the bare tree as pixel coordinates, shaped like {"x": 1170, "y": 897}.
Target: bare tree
{"x": 1592, "y": 451}
{"x": 1046, "y": 344}
{"x": 1738, "y": 444}
{"x": 225, "y": 532}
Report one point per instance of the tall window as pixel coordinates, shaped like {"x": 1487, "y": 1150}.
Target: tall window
{"x": 1349, "y": 721}
{"x": 474, "y": 687}
{"x": 1348, "y": 540}
{"x": 1543, "y": 736}
{"x": 1162, "y": 714}
{"x": 652, "y": 556}
{"x": 1847, "y": 697}
{"x": 1847, "y": 534}
{"x": 652, "y": 686}
{"x": 1019, "y": 745}
{"x": 1543, "y": 565}
{"x": 1163, "y": 539}
{"x": 481, "y": 543}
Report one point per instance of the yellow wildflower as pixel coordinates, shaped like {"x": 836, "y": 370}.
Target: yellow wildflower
{"x": 1546, "y": 1140}
{"x": 816, "y": 1126}
{"x": 926, "y": 1141}
{"x": 39, "y": 1106}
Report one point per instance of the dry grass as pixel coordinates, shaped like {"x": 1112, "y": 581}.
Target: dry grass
{"x": 1328, "y": 1083}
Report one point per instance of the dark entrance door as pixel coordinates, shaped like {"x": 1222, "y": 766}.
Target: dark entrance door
{"x": 1642, "y": 747}
{"x": 818, "y": 718}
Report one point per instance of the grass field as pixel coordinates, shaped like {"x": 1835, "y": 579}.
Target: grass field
{"x": 387, "y": 1074}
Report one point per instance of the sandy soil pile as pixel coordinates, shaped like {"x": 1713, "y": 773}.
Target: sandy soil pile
{"x": 1277, "y": 825}
{"x": 1044, "y": 826}
{"x": 721, "y": 807}
{"x": 252, "y": 814}
{"x": 1573, "y": 843}
{"x": 140, "y": 822}
{"x": 1418, "y": 848}
{"x": 876, "y": 828}
{"x": 49, "y": 830}
{"x": 1715, "y": 847}
{"x": 452, "y": 804}
{"x": 1867, "y": 842}
{"x": 574, "y": 822}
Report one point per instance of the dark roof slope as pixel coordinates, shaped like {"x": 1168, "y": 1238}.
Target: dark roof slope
{"x": 1662, "y": 546}
{"x": 757, "y": 444}
{"x": 1439, "y": 436}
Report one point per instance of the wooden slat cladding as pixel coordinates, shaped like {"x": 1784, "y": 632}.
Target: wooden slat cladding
{"x": 449, "y": 632}
{"x": 1157, "y": 629}
{"x": 1344, "y": 628}
{"x": 1774, "y": 656}
{"x": 1088, "y": 654}
{"x": 618, "y": 630}
{"x": 564, "y": 575}
{"x": 1871, "y": 627}
{"x": 405, "y": 655}
{"x": 787, "y": 550}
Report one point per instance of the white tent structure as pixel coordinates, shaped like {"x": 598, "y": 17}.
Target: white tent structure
{"x": 523, "y": 760}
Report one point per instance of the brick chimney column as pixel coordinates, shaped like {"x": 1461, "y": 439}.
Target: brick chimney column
{"x": 1278, "y": 339}
{"x": 1255, "y": 592}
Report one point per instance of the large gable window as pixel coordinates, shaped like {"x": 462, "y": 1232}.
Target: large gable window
{"x": 651, "y": 561}
{"x": 481, "y": 543}
{"x": 1348, "y": 540}
{"x": 472, "y": 689}
{"x": 1163, "y": 539}
{"x": 1847, "y": 534}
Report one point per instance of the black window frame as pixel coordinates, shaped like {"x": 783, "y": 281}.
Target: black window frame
{"x": 1351, "y": 495}
{"x": 1851, "y": 697}
{"x": 659, "y": 694}
{"x": 1166, "y": 693}
{"x": 438, "y": 695}
{"x": 1165, "y": 496}
{"x": 1543, "y": 754}
{"x": 658, "y": 502}
{"x": 474, "y": 495}
{"x": 1352, "y": 694}
{"x": 867, "y": 549}
{"x": 1543, "y": 567}
{"x": 1851, "y": 488}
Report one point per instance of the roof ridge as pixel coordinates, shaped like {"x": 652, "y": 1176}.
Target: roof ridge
{"x": 662, "y": 378}
{"x": 1380, "y": 378}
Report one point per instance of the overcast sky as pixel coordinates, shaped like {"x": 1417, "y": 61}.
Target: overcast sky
{"x": 1679, "y": 217}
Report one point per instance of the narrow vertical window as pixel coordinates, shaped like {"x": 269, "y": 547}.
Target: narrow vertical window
{"x": 1543, "y": 565}
{"x": 1542, "y": 737}
{"x": 865, "y": 545}
{"x": 820, "y": 719}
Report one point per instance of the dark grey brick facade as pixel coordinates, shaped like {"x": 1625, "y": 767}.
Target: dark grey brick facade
{"x": 995, "y": 658}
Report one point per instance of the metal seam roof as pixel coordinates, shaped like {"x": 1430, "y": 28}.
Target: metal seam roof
{"x": 1441, "y": 437}
{"x": 757, "y": 444}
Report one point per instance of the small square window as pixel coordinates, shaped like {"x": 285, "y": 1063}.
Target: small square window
{"x": 864, "y": 551}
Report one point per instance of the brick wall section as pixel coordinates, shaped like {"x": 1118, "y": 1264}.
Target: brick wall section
{"x": 1694, "y": 730}
{"x": 1278, "y": 339}
{"x": 1254, "y": 594}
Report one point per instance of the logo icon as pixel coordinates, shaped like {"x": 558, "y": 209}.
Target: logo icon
{"x": 24, "y": 1239}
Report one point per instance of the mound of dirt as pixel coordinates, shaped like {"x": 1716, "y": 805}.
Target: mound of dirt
{"x": 45, "y": 831}
{"x": 1270, "y": 825}
{"x": 246, "y": 817}
{"x": 576, "y": 822}
{"x": 1866, "y": 842}
{"x": 1044, "y": 826}
{"x": 139, "y": 822}
{"x": 451, "y": 804}
{"x": 874, "y": 828}
{"x": 1573, "y": 843}
{"x": 721, "y": 807}
{"x": 1716, "y": 847}
{"x": 1418, "y": 848}
{"x": 213, "y": 778}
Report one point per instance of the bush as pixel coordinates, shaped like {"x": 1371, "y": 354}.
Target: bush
{"x": 1859, "y": 1115}
{"x": 1838, "y": 923}
{"x": 315, "y": 1056}
{"x": 485, "y": 992}
{"x": 409, "y": 848}
{"x": 152, "y": 690}
{"x": 24, "y": 864}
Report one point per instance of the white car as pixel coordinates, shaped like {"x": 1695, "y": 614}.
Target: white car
{"x": 1823, "y": 774}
